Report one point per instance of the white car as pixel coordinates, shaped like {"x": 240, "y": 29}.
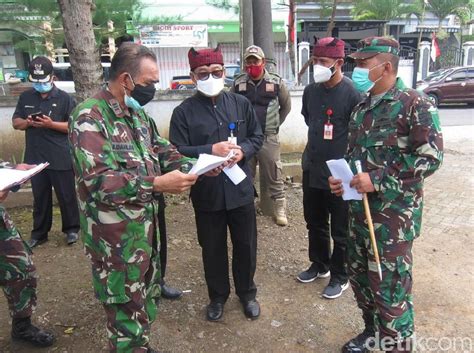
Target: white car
{"x": 64, "y": 79}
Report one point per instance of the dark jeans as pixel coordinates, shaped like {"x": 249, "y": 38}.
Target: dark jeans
{"x": 63, "y": 183}
{"x": 212, "y": 236}
{"x": 318, "y": 205}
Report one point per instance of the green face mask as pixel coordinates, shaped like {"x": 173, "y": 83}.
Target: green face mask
{"x": 361, "y": 80}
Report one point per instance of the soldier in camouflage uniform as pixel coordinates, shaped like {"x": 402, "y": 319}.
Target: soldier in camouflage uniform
{"x": 395, "y": 133}
{"x": 119, "y": 159}
{"x": 18, "y": 278}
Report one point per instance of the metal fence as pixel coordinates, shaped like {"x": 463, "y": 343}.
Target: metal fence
{"x": 450, "y": 56}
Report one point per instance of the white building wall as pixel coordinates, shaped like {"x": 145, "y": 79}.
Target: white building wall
{"x": 174, "y": 61}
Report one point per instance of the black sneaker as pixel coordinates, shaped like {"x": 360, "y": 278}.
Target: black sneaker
{"x": 334, "y": 289}
{"x": 311, "y": 274}
{"x": 72, "y": 238}
{"x": 359, "y": 343}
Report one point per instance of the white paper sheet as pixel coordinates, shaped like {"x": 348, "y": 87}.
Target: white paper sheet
{"x": 13, "y": 177}
{"x": 340, "y": 170}
{"x": 207, "y": 162}
{"x": 235, "y": 174}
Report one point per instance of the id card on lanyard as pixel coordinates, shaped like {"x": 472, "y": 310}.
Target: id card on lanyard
{"x": 232, "y": 139}
{"x": 328, "y": 126}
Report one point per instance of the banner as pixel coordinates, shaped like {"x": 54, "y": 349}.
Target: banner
{"x": 169, "y": 35}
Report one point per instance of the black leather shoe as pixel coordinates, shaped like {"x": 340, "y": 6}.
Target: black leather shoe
{"x": 24, "y": 330}
{"x": 33, "y": 243}
{"x": 251, "y": 309}
{"x": 72, "y": 238}
{"x": 170, "y": 292}
{"x": 215, "y": 311}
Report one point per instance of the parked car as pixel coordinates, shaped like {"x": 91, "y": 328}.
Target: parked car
{"x": 64, "y": 79}
{"x": 453, "y": 85}
{"x": 182, "y": 82}
{"x": 231, "y": 70}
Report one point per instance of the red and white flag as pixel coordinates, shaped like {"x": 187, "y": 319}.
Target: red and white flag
{"x": 435, "y": 52}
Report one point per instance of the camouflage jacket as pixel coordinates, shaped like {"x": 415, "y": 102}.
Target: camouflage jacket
{"x": 269, "y": 97}
{"x": 399, "y": 142}
{"x": 116, "y": 155}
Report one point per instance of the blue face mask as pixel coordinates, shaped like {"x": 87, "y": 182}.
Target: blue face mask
{"x": 132, "y": 103}
{"x": 43, "y": 87}
{"x": 361, "y": 80}
{"x": 140, "y": 95}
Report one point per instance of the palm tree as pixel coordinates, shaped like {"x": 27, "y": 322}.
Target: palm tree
{"x": 383, "y": 10}
{"x": 444, "y": 8}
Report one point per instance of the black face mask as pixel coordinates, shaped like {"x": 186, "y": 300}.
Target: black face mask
{"x": 143, "y": 94}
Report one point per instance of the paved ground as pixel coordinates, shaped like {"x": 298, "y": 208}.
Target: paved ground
{"x": 456, "y": 115}
{"x": 294, "y": 316}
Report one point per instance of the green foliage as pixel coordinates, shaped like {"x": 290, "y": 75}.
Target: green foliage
{"x": 468, "y": 38}
{"x": 224, "y": 4}
{"x": 28, "y": 16}
{"x": 326, "y": 8}
{"x": 443, "y": 8}
{"x": 383, "y": 9}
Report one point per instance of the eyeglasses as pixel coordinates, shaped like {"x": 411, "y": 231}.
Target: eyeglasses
{"x": 203, "y": 76}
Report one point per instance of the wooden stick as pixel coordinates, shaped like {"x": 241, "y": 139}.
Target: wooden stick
{"x": 370, "y": 224}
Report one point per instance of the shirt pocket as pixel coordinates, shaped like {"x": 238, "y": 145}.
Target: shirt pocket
{"x": 129, "y": 160}
{"x": 353, "y": 134}
{"x": 381, "y": 143}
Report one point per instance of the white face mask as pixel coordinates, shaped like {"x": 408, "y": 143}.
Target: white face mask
{"x": 322, "y": 73}
{"x": 211, "y": 87}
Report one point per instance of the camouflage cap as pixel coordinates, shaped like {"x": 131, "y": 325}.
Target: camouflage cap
{"x": 253, "y": 50}
{"x": 371, "y": 46}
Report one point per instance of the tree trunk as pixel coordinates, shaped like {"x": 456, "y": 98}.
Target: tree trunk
{"x": 262, "y": 30}
{"x": 292, "y": 36}
{"x": 81, "y": 44}
{"x": 263, "y": 37}
{"x": 246, "y": 27}
{"x": 331, "y": 22}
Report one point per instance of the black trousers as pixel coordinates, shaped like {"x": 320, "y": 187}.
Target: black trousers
{"x": 212, "y": 236}
{"x": 318, "y": 204}
{"x": 63, "y": 183}
{"x": 163, "y": 242}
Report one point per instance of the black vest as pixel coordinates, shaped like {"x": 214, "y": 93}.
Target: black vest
{"x": 260, "y": 95}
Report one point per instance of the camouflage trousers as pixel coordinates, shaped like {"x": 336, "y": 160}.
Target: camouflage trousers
{"x": 128, "y": 292}
{"x": 386, "y": 305}
{"x": 17, "y": 271}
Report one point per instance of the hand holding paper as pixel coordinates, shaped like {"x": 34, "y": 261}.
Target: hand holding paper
{"x": 340, "y": 170}
{"x": 208, "y": 162}
{"x": 10, "y": 178}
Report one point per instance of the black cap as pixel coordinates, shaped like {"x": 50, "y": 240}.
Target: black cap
{"x": 40, "y": 69}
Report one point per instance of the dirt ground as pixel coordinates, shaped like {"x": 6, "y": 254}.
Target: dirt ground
{"x": 295, "y": 318}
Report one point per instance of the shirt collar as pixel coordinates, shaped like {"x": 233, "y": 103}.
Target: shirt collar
{"x": 113, "y": 103}
{"x": 266, "y": 76}
{"x": 390, "y": 95}
{"x": 205, "y": 98}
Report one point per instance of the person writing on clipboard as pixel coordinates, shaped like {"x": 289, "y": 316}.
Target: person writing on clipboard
{"x": 18, "y": 277}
